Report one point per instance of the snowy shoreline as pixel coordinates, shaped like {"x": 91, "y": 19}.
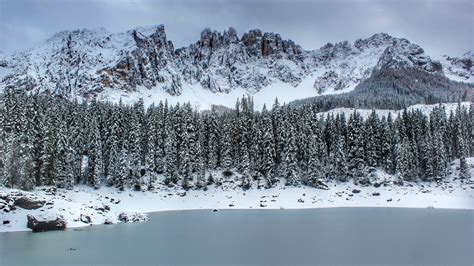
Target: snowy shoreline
{"x": 449, "y": 194}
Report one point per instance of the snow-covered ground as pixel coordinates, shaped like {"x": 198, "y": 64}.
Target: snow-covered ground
{"x": 426, "y": 109}
{"x": 452, "y": 193}
{"x": 203, "y": 99}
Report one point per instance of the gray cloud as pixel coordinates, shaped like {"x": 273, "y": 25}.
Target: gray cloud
{"x": 439, "y": 26}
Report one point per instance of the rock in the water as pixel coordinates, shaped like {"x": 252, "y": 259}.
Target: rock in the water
{"x": 132, "y": 217}
{"x": 355, "y": 191}
{"x": 29, "y": 203}
{"x": 215, "y": 210}
{"x": 42, "y": 224}
{"x": 375, "y": 194}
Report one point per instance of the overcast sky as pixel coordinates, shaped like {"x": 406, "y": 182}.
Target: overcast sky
{"x": 439, "y": 26}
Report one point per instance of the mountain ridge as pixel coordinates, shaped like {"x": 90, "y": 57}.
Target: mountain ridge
{"x": 89, "y": 63}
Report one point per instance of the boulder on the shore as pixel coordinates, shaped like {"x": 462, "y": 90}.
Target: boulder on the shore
{"x": 109, "y": 221}
{"x": 85, "y": 219}
{"x": 132, "y": 217}
{"x": 29, "y": 203}
{"x": 375, "y": 194}
{"x": 42, "y": 223}
{"x": 355, "y": 191}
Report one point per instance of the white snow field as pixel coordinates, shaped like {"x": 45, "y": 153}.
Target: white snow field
{"x": 451, "y": 193}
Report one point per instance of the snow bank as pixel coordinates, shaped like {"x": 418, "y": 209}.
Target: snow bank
{"x": 104, "y": 206}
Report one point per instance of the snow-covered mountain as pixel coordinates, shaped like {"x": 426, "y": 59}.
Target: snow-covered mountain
{"x": 459, "y": 68}
{"x": 216, "y": 69}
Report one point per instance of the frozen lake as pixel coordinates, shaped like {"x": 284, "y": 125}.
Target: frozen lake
{"x": 342, "y": 236}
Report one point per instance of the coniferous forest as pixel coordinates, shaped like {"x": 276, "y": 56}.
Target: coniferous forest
{"x": 51, "y": 141}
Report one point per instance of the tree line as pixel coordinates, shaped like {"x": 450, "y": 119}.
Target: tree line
{"x": 51, "y": 141}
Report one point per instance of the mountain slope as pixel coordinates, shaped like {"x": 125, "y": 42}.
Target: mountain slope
{"x": 216, "y": 69}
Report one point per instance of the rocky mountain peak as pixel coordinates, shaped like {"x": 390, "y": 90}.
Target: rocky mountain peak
{"x": 403, "y": 53}
{"x": 376, "y": 40}
{"x": 87, "y": 63}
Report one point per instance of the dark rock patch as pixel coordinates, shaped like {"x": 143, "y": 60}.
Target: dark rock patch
{"x": 114, "y": 201}
{"x": 29, "y": 203}
{"x": 43, "y": 224}
{"x": 133, "y": 217}
{"x": 85, "y": 219}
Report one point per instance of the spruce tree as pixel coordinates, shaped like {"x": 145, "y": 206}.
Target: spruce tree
{"x": 291, "y": 163}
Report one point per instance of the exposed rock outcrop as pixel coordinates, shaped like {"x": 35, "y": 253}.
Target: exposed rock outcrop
{"x": 132, "y": 217}
{"x": 29, "y": 203}
{"x": 42, "y": 223}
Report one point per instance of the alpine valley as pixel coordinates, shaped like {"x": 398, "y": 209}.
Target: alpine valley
{"x": 102, "y": 128}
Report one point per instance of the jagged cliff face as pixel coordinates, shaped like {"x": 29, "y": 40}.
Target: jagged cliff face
{"x": 86, "y": 63}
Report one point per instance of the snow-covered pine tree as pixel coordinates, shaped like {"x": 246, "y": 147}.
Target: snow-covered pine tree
{"x": 439, "y": 156}
{"x": 135, "y": 135}
{"x": 171, "y": 175}
{"x": 266, "y": 148}
{"x": 226, "y": 144}
{"x": 10, "y": 161}
{"x": 213, "y": 140}
{"x": 200, "y": 156}
{"x": 152, "y": 149}
{"x": 464, "y": 172}
{"x": 405, "y": 161}
{"x": 316, "y": 153}
{"x": 385, "y": 147}
{"x": 291, "y": 162}
{"x": 277, "y": 130}
{"x": 48, "y": 153}
{"x": 337, "y": 160}
{"x": 96, "y": 164}
{"x": 124, "y": 170}
{"x": 160, "y": 137}
{"x": 64, "y": 169}
{"x": 355, "y": 144}
{"x": 372, "y": 140}
{"x": 427, "y": 157}
{"x": 114, "y": 163}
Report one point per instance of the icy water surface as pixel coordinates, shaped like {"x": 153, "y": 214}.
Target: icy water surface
{"x": 334, "y": 236}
